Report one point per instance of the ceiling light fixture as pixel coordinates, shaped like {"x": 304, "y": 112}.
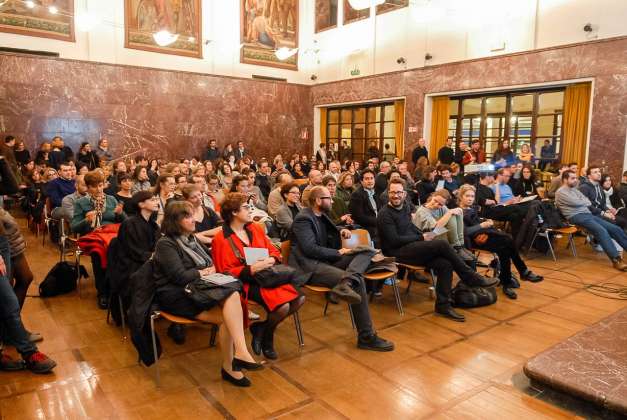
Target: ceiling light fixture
{"x": 164, "y": 38}
{"x": 284, "y": 53}
{"x": 364, "y": 4}
{"x": 30, "y": 4}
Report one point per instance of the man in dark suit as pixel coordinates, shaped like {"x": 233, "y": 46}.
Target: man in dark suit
{"x": 446, "y": 155}
{"x": 316, "y": 248}
{"x": 364, "y": 205}
{"x": 240, "y": 152}
{"x": 212, "y": 153}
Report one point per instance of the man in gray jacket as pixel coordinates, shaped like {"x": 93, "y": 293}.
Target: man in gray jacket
{"x": 576, "y": 208}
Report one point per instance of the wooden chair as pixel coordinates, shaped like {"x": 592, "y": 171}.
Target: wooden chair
{"x": 285, "y": 254}
{"x": 570, "y": 231}
{"x": 362, "y": 237}
{"x": 176, "y": 320}
{"x": 409, "y": 268}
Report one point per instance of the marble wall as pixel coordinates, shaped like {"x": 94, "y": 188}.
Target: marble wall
{"x": 605, "y": 61}
{"x": 164, "y": 114}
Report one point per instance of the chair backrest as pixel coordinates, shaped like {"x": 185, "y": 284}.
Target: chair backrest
{"x": 358, "y": 237}
{"x": 300, "y": 182}
{"x": 285, "y": 250}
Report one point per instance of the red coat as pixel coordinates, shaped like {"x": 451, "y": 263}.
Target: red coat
{"x": 226, "y": 262}
{"x": 97, "y": 241}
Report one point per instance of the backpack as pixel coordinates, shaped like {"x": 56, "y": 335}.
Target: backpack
{"x": 61, "y": 279}
{"x": 551, "y": 217}
{"x": 472, "y": 297}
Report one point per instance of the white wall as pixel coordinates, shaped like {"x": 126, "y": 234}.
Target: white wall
{"x": 455, "y": 30}
{"x": 450, "y": 30}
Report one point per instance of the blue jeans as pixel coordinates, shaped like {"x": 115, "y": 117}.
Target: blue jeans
{"x": 10, "y": 319}
{"x": 603, "y": 231}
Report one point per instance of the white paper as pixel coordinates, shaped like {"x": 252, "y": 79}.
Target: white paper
{"x": 531, "y": 197}
{"x": 439, "y": 230}
{"x": 219, "y": 279}
{"x": 253, "y": 255}
{"x": 440, "y": 185}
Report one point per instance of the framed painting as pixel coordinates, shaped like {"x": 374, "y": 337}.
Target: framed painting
{"x": 42, "y": 18}
{"x": 326, "y": 15}
{"x": 352, "y": 15}
{"x": 265, "y": 27}
{"x": 391, "y": 5}
{"x": 181, "y": 18}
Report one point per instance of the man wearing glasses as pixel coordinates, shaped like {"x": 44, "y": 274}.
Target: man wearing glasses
{"x": 317, "y": 249}
{"x": 400, "y": 238}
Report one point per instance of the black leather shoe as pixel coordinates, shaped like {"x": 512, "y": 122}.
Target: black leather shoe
{"x": 480, "y": 281}
{"x": 239, "y": 364}
{"x": 450, "y": 313}
{"x": 346, "y": 293}
{"x": 268, "y": 350}
{"x": 256, "y": 330}
{"x": 103, "y": 302}
{"x": 242, "y": 382}
{"x": 177, "y": 333}
{"x": 531, "y": 276}
{"x": 514, "y": 283}
{"x": 375, "y": 343}
{"x": 510, "y": 293}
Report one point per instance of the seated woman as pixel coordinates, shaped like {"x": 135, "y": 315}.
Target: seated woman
{"x": 345, "y": 187}
{"x": 613, "y": 202}
{"x": 504, "y": 156}
{"x": 179, "y": 260}
{"x": 208, "y": 222}
{"x": 525, "y": 154}
{"x": 140, "y": 179}
{"x": 483, "y": 235}
{"x": 297, "y": 171}
{"x": 434, "y": 214}
{"x": 238, "y": 232}
{"x": 124, "y": 195}
{"x": 527, "y": 184}
{"x": 92, "y": 211}
{"x": 288, "y": 211}
{"x": 164, "y": 191}
{"x": 339, "y": 213}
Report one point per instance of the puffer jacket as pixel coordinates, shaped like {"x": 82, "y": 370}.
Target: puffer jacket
{"x": 11, "y": 229}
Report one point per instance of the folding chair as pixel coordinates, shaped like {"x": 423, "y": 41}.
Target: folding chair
{"x": 177, "y": 320}
{"x": 409, "y": 268}
{"x": 545, "y": 233}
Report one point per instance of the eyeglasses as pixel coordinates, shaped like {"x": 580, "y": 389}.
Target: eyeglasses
{"x": 245, "y": 207}
{"x": 294, "y": 192}
{"x": 326, "y": 197}
{"x": 397, "y": 192}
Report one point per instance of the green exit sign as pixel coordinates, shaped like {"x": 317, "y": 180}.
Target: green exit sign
{"x": 355, "y": 72}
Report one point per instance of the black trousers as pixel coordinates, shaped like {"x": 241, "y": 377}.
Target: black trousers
{"x": 102, "y": 286}
{"x": 503, "y": 245}
{"x": 439, "y": 256}
{"x": 513, "y": 214}
{"x": 351, "y": 267}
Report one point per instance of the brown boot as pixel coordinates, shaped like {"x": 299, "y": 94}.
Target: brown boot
{"x": 619, "y": 264}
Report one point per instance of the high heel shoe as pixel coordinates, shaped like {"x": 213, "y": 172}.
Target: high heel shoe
{"x": 239, "y": 364}
{"x": 243, "y": 382}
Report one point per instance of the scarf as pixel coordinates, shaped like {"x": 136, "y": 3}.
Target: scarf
{"x": 99, "y": 204}
{"x": 196, "y": 252}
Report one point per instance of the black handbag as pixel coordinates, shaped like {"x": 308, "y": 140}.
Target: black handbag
{"x": 275, "y": 276}
{"x": 205, "y": 293}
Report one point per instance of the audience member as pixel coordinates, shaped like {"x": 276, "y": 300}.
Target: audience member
{"x": 525, "y": 154}
{"x": 287, "y": 212}
{"x": 504, "y": 156}
{"x": 102, "y": 151}
{"x": 364, "y": 206}
{"x": 475, "y": 155}
{"x": 547, "y": 154}
{"x": 613, "y": 201}
{"x": 22, "y": 155}
{"x": 87, "y": 156}
{"x": 339, "y": 213}
{"x": 212, "y": 153}
{"x": 315, "y": 179}
{"x": 263, "y": 180}
{"x": 576, "y": 208}
{"x": 527, "y": 185}
{"x": 124, "y": 195}
{"x": 381, "y": 180}
{"x": 61, "y": 186}
{"x": 140, "y": 179}
{"x": 208, "y": 222}
{"x": 446, "y": 155}
{"x": 593, "y": 191}
{"x": 66, "y": 210}
{"x": 420, "y": 151}
{"x": 164, "y": 191}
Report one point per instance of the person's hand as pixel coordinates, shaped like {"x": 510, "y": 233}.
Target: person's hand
{"x": 608, "y": 214}
{"x": 487, "y": 224}
{"x": 344, "y": 251}
{"x": 613, "y": 211}
{"x": 118, "y": 208}
{"x": 3, "y": 267}
{"x": 207, "y": 271}
{"x": 345, "y": 233}
{"x": 457, "y": 211}
{"x": 428, "y": 236}
{"x": 490, "y": 202}
{"x": 262, "y": 265}
{"x": 90, "y": 215}
{"x": 347, "y": 219}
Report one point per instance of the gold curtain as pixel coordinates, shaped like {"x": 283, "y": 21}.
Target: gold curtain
{"x": 323, "y": 126}
{"x": 439, "y": 125}
{"x": 399, "y": 118}
{"x": 575, "y": 124}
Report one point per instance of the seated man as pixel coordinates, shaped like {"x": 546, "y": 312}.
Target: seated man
{"x": 60, "y": 187}
{"x": 575, "y": 207}
{"x": 315, "y": 179}
{"x": 434, "y": 214}
{"x": 593, "y": 191}
{"x": 556, "y": 181}
{"x": 316, "y": 249}
{"x": 364, "y": 204}
{"x": 66, "y": 211}
{"x": 492, "y": 209}
{"x": 400, "y": 238}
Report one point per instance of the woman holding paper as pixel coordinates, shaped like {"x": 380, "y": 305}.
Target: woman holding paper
{"x": 483, "y": 235}
{"x": 228, "y": 249}
{"x": 181, "y": 259}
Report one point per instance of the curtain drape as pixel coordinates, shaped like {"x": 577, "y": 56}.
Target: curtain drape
{"x": 439, "y": 125}
{"x": 575, "y": 123}
{"x": 399, "y": 118}
{"x": 323, "y": 126}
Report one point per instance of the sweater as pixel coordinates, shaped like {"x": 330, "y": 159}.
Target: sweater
{"x": 11, "y": 230}
{"x": 570, "y": 202}
{"x": 59, "y": 188}
{"x": 396, "y": 229}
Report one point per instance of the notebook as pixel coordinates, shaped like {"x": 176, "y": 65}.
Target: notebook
{"x": 253, "y": 255}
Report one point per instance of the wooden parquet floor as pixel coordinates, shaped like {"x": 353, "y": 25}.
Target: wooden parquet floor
{"x": 440, "y": 369}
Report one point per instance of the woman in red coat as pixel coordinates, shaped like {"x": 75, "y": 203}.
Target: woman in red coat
{"x": 279, "y": 302}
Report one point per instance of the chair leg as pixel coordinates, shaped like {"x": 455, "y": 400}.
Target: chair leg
{"x": 408, "y": 280}
{"x": 350, "y": 312}
{"x": 548, "y": 239}
{"x": 299, "y": 329}
{"x": 214, "y": 334}
{"x": 397, "y": 296}
{"x": 154, "y": 347}
{"x": 122, "y": 317}
{"x": 77, "y": 260}
{"x": 434, "y": 280}
{"x": 326, "y": 306}
{"x": 571, "y": 242}
{"x": 535, "y": 235}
